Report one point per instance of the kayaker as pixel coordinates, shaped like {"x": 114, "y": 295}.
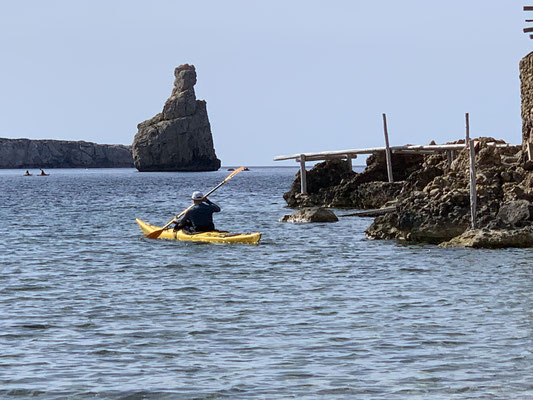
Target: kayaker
{"x": 27, "y": 173}
{"x": 42, "y": 173}
{"x": 200, "y": 217}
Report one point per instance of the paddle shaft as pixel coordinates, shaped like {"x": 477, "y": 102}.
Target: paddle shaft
{"x": 155, "y": 234}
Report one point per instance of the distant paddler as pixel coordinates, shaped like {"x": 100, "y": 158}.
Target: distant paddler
{"x": 43, "y": 173}
{"x": 27, "y": 173}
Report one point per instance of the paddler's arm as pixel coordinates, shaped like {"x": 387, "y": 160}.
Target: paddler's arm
{"x": 215, "y": 207}
{"x": 183, "y": 222}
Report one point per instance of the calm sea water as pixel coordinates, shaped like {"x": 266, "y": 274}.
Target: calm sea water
{"x": 91, "y": 309}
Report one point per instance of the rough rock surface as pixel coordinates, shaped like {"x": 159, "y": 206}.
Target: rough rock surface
{"x": 526, "y": 92}
{"x": 492, "y": 238}
{"x": 432, "y": 201}
{"x": 27, "y": 153}
{"x": 437, "y": 210}
{"x": 331, "y": 184}
{"x": 179, "y": 138}
{"x": 311, "y": 214}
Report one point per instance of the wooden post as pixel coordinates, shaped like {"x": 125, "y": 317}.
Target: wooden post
{"x": 449, "y": 158}
{"x": 529, "y": 151}
{"x": 473, "y": 192}
{"x": 303, "y": 175}
{"x": 467, "y": 120}
{"x": 387, "y": 149}
{"x": 349, "y": 163}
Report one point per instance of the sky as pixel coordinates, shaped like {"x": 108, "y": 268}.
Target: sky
{"x": 279, "y": 76}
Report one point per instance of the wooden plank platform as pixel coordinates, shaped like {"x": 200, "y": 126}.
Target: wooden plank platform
{"x": 371, "y": 213}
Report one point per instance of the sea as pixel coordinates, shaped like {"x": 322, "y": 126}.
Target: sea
{"x": 91, "y": 309}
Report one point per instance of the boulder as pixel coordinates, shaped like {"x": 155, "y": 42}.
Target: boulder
{"x": 516, "y": 213}
{"x": 27, "y": 153}
{"x": 311, "y": 214}
{"x": 492, "y": 238}
{"x": 435, "y": 204}
{"x": 321, "y": 180}
{"x": 179, "y": 138}
{"x": 332, "y": 184}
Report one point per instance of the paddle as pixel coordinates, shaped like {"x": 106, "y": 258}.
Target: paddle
{"x": 157, "y": 233}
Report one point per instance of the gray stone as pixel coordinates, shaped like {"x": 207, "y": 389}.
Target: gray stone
{"x": 310, "y": 214}
{"x": 492, "y": 238}
{"x": 515, "y": 213}
{"x": 179, "y": 138}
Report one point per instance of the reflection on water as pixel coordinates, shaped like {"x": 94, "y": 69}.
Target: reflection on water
{"x": 89, "y": 308}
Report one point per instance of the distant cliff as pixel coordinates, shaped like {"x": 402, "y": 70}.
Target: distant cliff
{"x": 27, "y": 153}
{"x": 178, "y": 138}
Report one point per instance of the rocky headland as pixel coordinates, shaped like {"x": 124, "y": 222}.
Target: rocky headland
{"x": 431, "y": 198}
{"x": 178, "y": 138}
{"x": 28, "y": 153}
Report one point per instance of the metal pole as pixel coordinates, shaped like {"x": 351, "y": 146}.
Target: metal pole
{"x": 387, "y": 149}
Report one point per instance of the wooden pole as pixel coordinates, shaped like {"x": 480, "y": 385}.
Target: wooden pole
{"x": 529, "y": 151}
{"x": 467, "y": 120}
{"x": 303, "y": 175}
{"x": 387, "y": 149}
{"x": 449, "y": 158}
{"x": 473, "y": 192}
{"x": 349, "y": 163}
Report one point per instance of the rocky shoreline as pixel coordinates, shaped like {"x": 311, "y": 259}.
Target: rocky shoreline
{"x": 431, "y": 198}
{"x": 47, "y": 153}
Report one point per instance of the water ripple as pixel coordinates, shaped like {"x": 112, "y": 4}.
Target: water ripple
{"x": 91, "y": 309}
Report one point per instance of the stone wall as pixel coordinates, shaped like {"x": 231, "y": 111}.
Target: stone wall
{"x": 27, "y": 153}
{"x": 526, "y": 92}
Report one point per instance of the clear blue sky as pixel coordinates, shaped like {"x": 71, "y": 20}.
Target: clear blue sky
{"x": 279, "y": 77}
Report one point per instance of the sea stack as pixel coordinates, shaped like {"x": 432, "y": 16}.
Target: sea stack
{"x": 179, "y": 138}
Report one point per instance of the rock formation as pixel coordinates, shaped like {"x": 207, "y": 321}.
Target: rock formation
{"x": 179, "y": 138}
{"x": 430, "y": 201}
{"x": 26, "y": 153}
{"x": 431, "y": 204}
{"x": 331, "y": 184}
{"x": 437, "y": 209}
{"x": 526, "y": 92}
{"x": 310, "y": 214}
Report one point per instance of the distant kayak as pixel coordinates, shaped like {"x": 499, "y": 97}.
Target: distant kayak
{"x": 212, "y": 237}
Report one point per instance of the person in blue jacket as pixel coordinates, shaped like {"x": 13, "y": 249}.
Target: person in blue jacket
{"x": 200, "y": 217}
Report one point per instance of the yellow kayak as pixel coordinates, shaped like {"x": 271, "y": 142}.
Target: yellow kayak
{"x": 214, "y": 237}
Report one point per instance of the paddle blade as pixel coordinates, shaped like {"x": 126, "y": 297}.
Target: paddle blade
{"x": 155, "y": 234}
{"x": 234, "y": 173}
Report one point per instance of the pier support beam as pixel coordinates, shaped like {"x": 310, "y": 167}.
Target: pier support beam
{"x": 303, "y": 175}
{"x": 449, "y": 158}
{"x": 349, "y": 163}
{"x": 473, "y": 191}
{"x": 387, "y": 149}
